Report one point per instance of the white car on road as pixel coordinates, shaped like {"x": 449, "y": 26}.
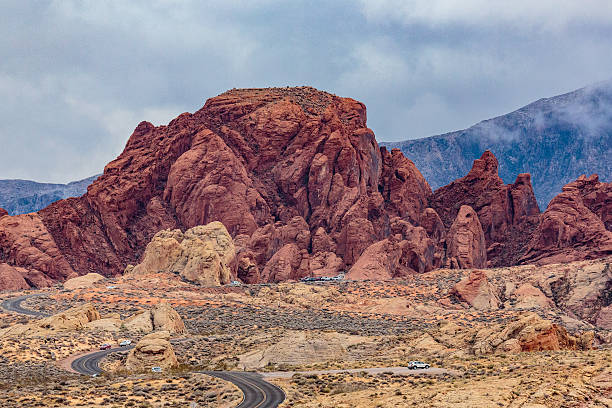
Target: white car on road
{"x": 414, "y": 365}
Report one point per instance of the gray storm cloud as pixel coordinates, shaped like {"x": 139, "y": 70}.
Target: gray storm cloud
{"x": 77, "y": 76}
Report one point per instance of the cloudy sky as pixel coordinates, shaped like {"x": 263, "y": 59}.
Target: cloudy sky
{"x": 76, "y": 77}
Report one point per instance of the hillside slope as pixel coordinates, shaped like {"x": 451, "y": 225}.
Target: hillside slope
{"x": 554, "y": 139}
{"x": 25, "y": 196}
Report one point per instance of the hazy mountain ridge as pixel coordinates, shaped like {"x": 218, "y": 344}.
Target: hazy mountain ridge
{"x": 26, "y": 196}
{"x": 555, "y": 139}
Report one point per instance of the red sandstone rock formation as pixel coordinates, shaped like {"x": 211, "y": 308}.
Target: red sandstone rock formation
{"x": 506, "y": 212}
{"x": 403, "y": 187}
{"x": 596, "y": 196}
{"x": 466, "y": 242}
{"x": 12, "y": 278}
{"x": 275, "y": 166}
{"x": 568, "y": 230}
{"x": 477, "y": 291}
{"x": 301, "y": 185}
{"x": 3, "y": 212}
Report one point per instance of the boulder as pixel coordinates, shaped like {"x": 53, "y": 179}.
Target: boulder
{"x": 82, "y": 282}
{"x": 165, "y": 318}
{"x": 139, "y": 322}
{"x": 153, "y": 350}
{"x": 477, "y": 291}
{"x": 466, "y": 247}
{"x": 161, "y": 317}
{"x": 204, "y": 255}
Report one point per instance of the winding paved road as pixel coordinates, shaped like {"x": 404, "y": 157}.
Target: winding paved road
{"x": 14, "y": 305}
{"x": 88, "y": 364}
{"x": 258, "y": 393}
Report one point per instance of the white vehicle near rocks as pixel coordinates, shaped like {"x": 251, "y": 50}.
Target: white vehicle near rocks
{"x": 417, "y": 365}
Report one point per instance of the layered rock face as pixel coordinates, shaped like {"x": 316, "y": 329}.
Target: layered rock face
{"x": 507, "y": 212}
{"x": 204, "y": 254}
{"x": 529, "y": 332}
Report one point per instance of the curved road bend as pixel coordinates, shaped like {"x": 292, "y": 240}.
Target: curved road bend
{"x": 14, "y": 305}
{"x": 258, "y": 393}
{"x": 88, "y": 364}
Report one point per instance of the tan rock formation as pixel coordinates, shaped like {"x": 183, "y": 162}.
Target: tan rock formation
{"x": 165, "y": 318}
{"x": 139, "y": 322}
{"x": 81, "y": 282}
{"x": 300, "y": 347}
{"x": 74, "y": 318}
{"x": 204, "y": 254}
{"x": 153, "y": 350}
{"x": 161, "y": 317}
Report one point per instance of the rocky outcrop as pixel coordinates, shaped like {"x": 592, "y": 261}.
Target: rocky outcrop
{"x": 204, "y": 254}
{"x": 466, "y": 242}
{"x": 596, "y": 196}
{"x": 408, "y": 250}
{"x": 504, "y": 211}
{"x": 403, "y": 187}
{"x": 27, "y": 245}
{"x": 568, "y": 230}
{"x": 272, "y": 165}
{"x": 477, "y": 291}
{"x": 295, "y": 177}
{"x": 529, "y": 332}
{"x": 12, "y": 278}
{"x": 75, "y": 318}
{"x": 3, "y": 212}
{"x": 165, "y": 318}
{"x": 162, "y": 317}
{"x": 153, "y": 350}
{"x": 82, "y": 282}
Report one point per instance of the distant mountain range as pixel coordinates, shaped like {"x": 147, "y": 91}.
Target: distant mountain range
{"x": 24, "y": 196}
{"x": 555, "y": 139}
